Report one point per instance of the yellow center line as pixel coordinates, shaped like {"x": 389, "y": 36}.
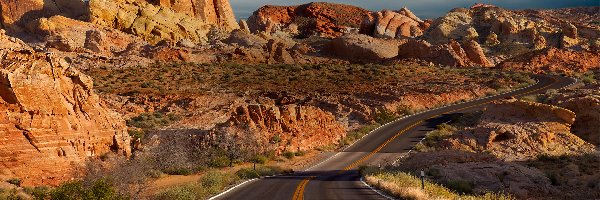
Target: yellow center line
{"x": 299, "y": 193}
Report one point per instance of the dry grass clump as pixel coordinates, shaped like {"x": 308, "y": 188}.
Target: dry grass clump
{"x": 405, "y": 186}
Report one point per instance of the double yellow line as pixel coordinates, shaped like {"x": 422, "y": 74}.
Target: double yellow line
{"x": 299, "y": 193}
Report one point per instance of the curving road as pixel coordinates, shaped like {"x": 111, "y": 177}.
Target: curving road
{"x": 337, "y": 177}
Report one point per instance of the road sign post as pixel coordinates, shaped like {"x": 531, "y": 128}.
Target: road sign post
{"x": 423, "y": 180}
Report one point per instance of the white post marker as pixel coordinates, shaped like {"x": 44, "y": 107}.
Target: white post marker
{"x": 423, "y": 180}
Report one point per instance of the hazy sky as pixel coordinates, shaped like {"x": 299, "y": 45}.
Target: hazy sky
{"x": 422, "y": 8}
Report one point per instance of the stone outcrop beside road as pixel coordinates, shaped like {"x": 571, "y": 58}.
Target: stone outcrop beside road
{"x": 52, "y": 121}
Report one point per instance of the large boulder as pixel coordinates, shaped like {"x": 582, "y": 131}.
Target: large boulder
{"x": 217, "y": 12}
{"x": 156, "y": 23}
{"x": 16, "y": 14}
{"x": 389, "y": 24}
{"x": 363, "y": 47}
{"x": 52, "y": 121}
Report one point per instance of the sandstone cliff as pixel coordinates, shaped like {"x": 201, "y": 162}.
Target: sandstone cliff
{"x": 393, "y": 24}
{"x": 554, "y": 60}
{"x": 155, "y": 23}
{"x": 16, "y": 14}
{"x": 52, "y": 121}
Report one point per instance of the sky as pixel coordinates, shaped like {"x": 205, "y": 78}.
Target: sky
{"x": 426, "y": 9}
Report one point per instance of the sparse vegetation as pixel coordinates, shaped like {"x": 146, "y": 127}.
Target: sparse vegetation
{"x": 149, "y": 121}
{"x": 288, "y": 154}
{"x": 15, "y": 181}
{"x": 405, "y": 186}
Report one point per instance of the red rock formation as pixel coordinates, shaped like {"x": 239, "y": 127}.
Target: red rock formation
{"x": 554, "y": 60}
{"x": 586, "y": 105}
{"x": 325, "y": 19}
{"x": 51, "y": 121}
{"x": 299, "y": 128}
{"x": 16, "y": 14}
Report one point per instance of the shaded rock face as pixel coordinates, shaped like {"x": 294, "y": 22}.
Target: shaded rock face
{"x": 363, "y": 47}
{"x": 297, "y": 127}
{"x": 516, "y": 130}
{"x": 586, "y": 104}
{"x": 393, "y": 24}
{"x": 324, "y": 19}
{"x": 52, "y": 120}
{"x": 451, "y": 54}
{"x": 485, "y": 172}
{"x": 156, "y": 23}
{"x": 16, "y": 14}
{"x": 77, "y": 36}
{"x": 554, "y": 60}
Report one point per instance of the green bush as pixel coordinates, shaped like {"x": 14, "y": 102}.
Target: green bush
{"x": 39, "y": 192}
{"x": 247, "y": 173}
{"x": 152, "y": 120}
{"x": 15, "y": 181}
{"x": 384, "y": 117}
{"x": 300, "y": 153}
{"x": 219, "y": 161}
{"x": 275, "y": 139}
{"x": 288, "y": 154}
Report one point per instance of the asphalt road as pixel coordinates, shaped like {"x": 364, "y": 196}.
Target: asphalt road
{"x": 337, "y": 177}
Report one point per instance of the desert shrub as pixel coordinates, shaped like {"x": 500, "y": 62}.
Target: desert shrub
{"x": 288, "y": 154}
{"x": 178, "y": 171}
{"x": 405, "y": 110}
{"x": 384, "y": 116}
{"x": 461, "y": 186}
{"x": 15, "y": 181}
{"x": 260, "y": 159}
{"x": 38, "y": 192}
{"x": 247, "y": 173}
{"x": 300, "y": 153}
{"x": 152, "y": 120}
{"x": 136, "y": 134}
{"x": 214, "y": 181}
{"x": 219, "y": 161}
{"x": 275, "y": 139}
{"x": 76, "y": 190}
{"x": 183, "y": 192}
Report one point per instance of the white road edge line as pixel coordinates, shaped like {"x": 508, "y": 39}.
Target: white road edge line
{"x": 362, "y": 179}
{"x": 232, "y": 188}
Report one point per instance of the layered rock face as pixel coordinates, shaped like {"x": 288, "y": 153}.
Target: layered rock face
{"x": 393, "y": 24}
{"x": 52, "y": 121}
{"x": 16, "y": 14}
{"x": 517, "y": 130}
{"x": 586, "y": 104}
{"x": 324, "y": 19}
{"x": 156, "y": 23}
{"x": 554, "y": 60}
{"x": 296, "y": 127}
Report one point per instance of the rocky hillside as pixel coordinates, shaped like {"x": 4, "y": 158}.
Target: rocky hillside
{"x": 52, "y": 120}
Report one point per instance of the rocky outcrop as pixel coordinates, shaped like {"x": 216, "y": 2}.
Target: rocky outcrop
{"x": 51, "y": 121}
{"x": 216, "y": 12}
{"x": 318, "y": 18}
{"x": 16, "y": 14}
{"x": 290, "y": 127}
{"x": 553, "y": 60}
{"x": 77, "y": 36}
{"x": 363, "y": 47}
{"x": 451, "y": 54}
{"x": 517, "y": 130}
{"x": 510, "y": 27}
{"x": 393, "y": 24}
{"x": 156, "y": 23}
{"x": 586, "y": 104}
